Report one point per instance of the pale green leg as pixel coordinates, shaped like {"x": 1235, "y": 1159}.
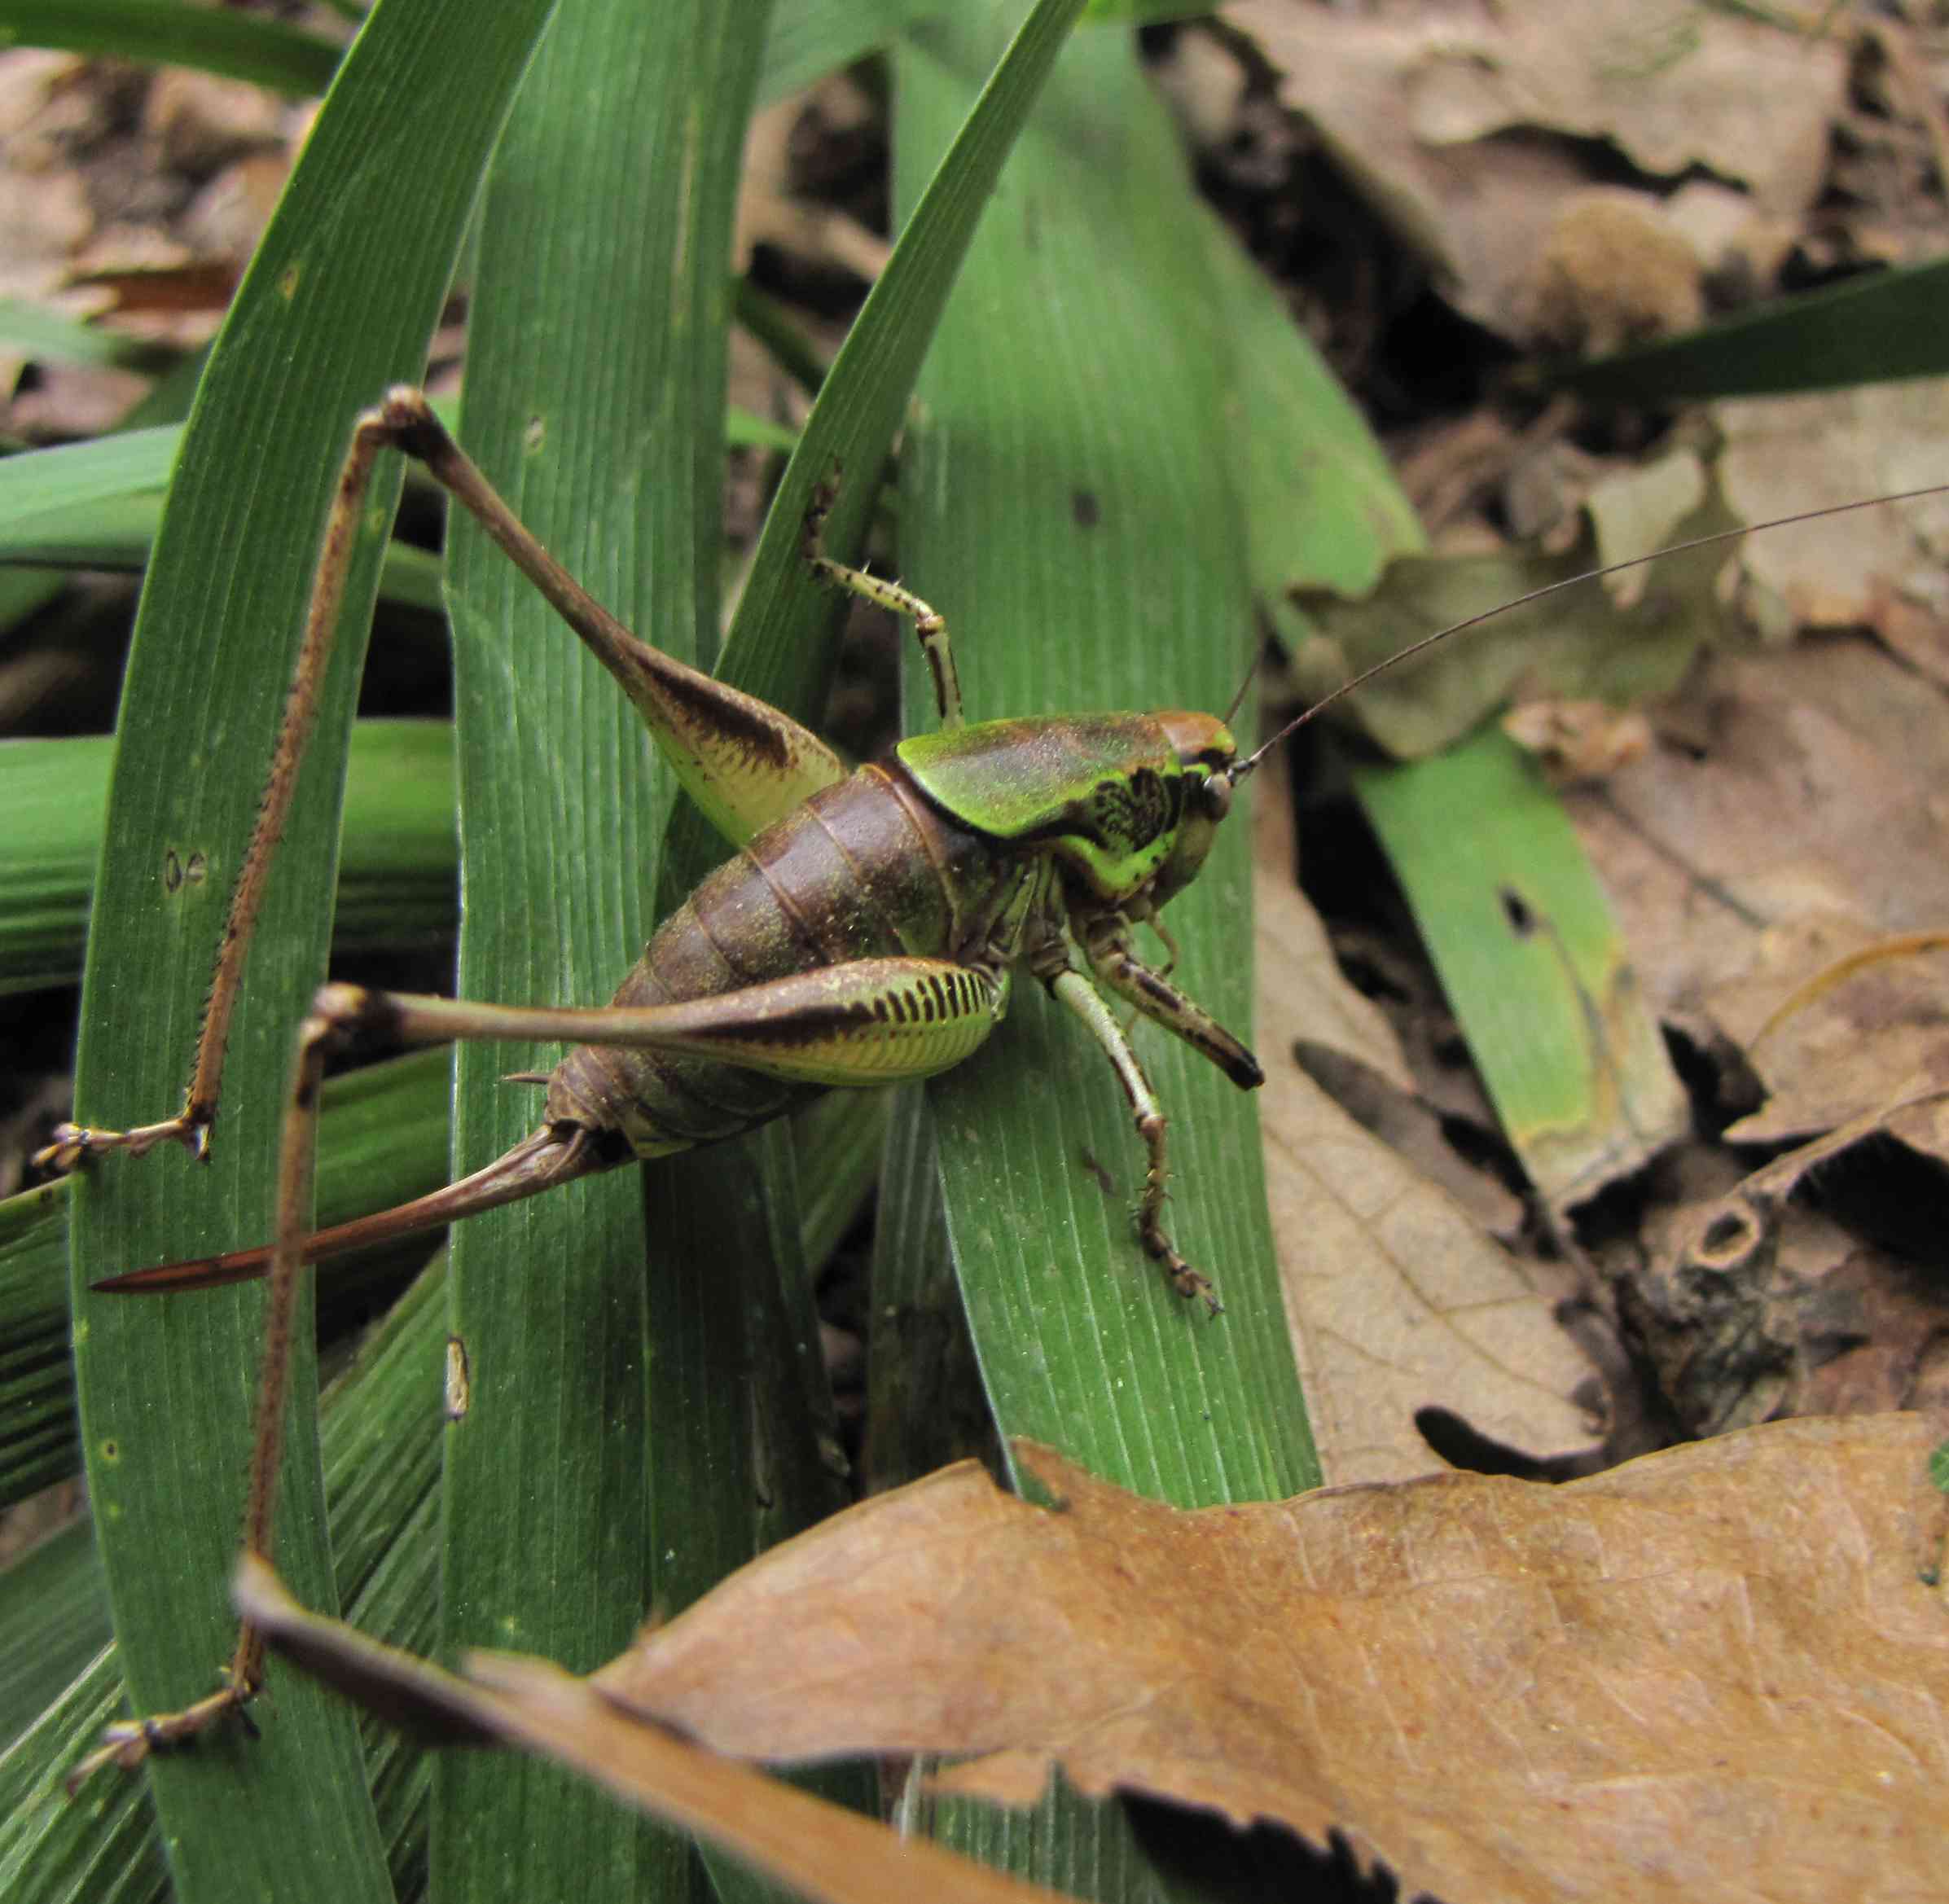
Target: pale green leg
{"x": 1081, "y": 997}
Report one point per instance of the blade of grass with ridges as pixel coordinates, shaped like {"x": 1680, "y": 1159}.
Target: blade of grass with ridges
{"x": 381, "y": 1444}
{"x": 864, "y": 399}
{"x": 1066, "y": 501}
{"x": 594, "y": 400}
{"x": 1531, "y": 959}
{"x": 239, "y": 45}
{"x": 54, "y": 1619}
{"x": 396, "y": 874}
{"x": 809, "y": 37}
{"x": 382, "y": 1139}
{"x": 1866, "y": 330}
{"x": 339, "y": 301}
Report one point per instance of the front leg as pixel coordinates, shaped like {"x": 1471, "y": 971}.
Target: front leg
{"x": 1106, "y": 940}
{"x": 1075, "y": 991}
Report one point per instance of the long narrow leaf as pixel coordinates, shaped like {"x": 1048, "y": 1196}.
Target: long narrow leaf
{"x": 1065, "y": 503}
{"x": 1866, "y": 330}
{"x": 595, "y": 398}
{"x": 239, "y": 46}
{"x": 340, "y": 301}
{"x": 384, "y": 1139}
{"x": 1533, "y": 962}
{"x": 380, "y": 1446}
{"x": 1072, "y": 518}
{"x": 396, "y": 884}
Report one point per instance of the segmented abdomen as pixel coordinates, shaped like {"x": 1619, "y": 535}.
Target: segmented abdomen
{"x": 866, "y": 869}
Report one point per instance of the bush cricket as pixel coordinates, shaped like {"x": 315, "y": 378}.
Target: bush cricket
{"x": 865, "y": 932}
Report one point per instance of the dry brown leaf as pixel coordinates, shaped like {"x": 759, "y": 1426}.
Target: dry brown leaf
{"x": 1916, "y": 631}
{"x": 1411, "y": 96}
{"x": 1784, "y": 454}
{"x": 1397, "y": 1300}
{"x": 1459, "y": 1153}
{"x": 1798, "y": 783}
{"x": 1432, "y": 1317}
{"x": 1579, "y": 741}
{"x": 1718, "y": 1672}
{"x": 821, "y": 1851}
{"x": 1880, "y": 1033}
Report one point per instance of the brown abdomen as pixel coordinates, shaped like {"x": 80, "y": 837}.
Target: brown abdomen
{"x": 866, "y": 869}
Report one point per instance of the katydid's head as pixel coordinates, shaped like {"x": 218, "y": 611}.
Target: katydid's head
{"x": 1205, "y": 752}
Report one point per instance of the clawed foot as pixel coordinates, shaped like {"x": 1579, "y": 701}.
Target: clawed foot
{"x": 74, "y": 1144}
{"x": 1157, "y": 1245}
{"x": 128, "y": 1741}
{"x": 1186, "y": 1280}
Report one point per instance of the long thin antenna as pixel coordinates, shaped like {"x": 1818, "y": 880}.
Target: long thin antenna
{"x": 1238, "y": 700}
{"x": 1549, "y": 588}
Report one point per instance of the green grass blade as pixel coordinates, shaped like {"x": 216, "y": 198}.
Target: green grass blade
{"x": 130, "y": 463}
{"x": 339, "y": 301}
{"x": 594, "y": 395}
{"x": 396, "y": 876}
{"x": 809, "y": 38}
{"x": 1870, "y": 329}
{"x": 381, "y": 1450}
{"x": 1531, "y": 959}
{"x": 34, "y": 331}
{"x": 1092, "y": 558}
{"x": 118, "y": 535}
{"x": 862, "y": 401}
{"x": 384, "y": 1139}
{"x": 1066, "y": 501}
{"x": 51, "y": 1852}
{"x": 96, "y": 506}
{"x": 239, "y": 45}
{"x": 54, "y": 1619}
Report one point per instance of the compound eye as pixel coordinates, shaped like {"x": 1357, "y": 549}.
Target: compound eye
{"x": 1214, "y": 795}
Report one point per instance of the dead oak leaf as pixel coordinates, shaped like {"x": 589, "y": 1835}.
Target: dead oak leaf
{"x": 1466, "y": 126}
{"x": 1839, "y": 1022}
{"x": 815, "y": 1850}
{"x": 1718, "y": 1671}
